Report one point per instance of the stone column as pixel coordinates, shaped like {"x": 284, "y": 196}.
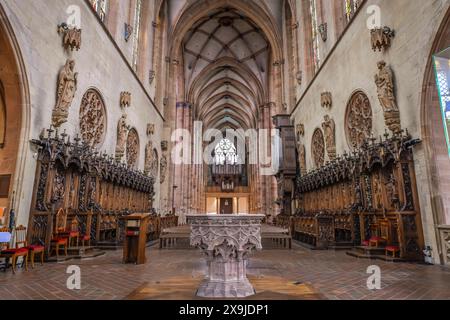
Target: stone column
{"x": 227, "y": 241}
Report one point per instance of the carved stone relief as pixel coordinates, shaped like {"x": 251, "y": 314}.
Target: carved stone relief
{"x": 71, "y": 37}
{"x": 318, "y": 148}
{"x": 164, "y": 145}
{"x": 300, "y": 131}
{"x": 386, "y": 94}
{"x": 358, "y": 120}
{"x": 323, "y": 30}
{"x": 150, "y": 129}
{"x": 132, "y": 148}
{"x": 326, "y": 100}
{"x": 151, "y": 76}
{"x": 329, "y": 129}
{"x": 381, "y": 38}
{"x": 92, "y": 118}
{"x": 299, "y": 77}
{"x": 125, "y": 99}
{"x": 128, "y": 32}
{"x": 122, "y": 134}
{"x": 67, "y": 86}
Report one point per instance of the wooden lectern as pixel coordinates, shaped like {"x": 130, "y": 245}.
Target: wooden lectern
{"x": 135, "y": 238}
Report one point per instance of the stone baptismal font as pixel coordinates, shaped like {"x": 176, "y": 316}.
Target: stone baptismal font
{"x": 227, "y": 241}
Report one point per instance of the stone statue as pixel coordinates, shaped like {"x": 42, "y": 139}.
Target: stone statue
{"x": 163, "y": 169}
{"x": 329, "y": 129}
{"x": 385, "y": 84}
{"x": 122, "y": 134}
{"x": 302, "y": 159}
{"x": 151, "y": 161}
{"x": 67, "y": 86}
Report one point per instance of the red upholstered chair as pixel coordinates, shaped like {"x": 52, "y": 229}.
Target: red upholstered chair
{"x": 36, "y": 250}
{"x": 20, "y": 249}
{"x": 74, "y": 233}
{"x": 85, "y": 238}
{"x": 394, "y": 250}
{"x": 60, "y": 237}
{"x": 383, "y": 239}
{"x": 377, "y": 242}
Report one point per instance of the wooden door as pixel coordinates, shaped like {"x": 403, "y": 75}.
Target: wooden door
{"x": 226, "y": 206}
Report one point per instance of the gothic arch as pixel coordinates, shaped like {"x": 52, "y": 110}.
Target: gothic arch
{"x": 436, "y": 153}
{"x": 17, "y": 100}
{"x": 2, "y": 115}
{"x": 195, "y": 10}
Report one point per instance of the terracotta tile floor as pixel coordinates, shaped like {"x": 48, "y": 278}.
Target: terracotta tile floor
{"x": 322, "y": 274}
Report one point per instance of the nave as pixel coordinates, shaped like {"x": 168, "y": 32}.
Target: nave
{"x": 277, "y": 274}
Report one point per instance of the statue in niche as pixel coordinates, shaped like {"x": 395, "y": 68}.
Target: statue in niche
{"x": 329, "y": 129}
{"x": 67, "y": 86}
{"x": 151, "y": 161}
{"x": 122, "y": 135}
{"x": 385, "y": 84}
{"x": 302, "y": 159}
{"x": 148, "y": 157}
{"x": 163, "y": 169}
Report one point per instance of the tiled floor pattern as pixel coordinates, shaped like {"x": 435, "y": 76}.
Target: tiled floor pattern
{"x": 276, "y": 274}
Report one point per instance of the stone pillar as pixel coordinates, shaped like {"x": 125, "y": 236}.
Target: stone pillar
{"x": 226, "y": 254}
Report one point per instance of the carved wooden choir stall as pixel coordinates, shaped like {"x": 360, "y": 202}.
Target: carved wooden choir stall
{"x": 367, "y": 199}
{"x": 80, "y": 196}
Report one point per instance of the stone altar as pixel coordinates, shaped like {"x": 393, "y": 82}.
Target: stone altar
{"x": 227, "y": 241}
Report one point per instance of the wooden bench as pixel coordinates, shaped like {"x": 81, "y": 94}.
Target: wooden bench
{"x": 170, "y": 240}
{"x": 283, "y": 240}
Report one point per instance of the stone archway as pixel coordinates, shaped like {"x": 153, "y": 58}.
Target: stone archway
{"x": 15, "y": 100}
{"x": 436, "y": 152}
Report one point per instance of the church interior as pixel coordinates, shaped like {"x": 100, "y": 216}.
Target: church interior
{"x": 243, "y": 149}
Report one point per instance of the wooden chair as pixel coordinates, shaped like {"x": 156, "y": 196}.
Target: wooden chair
{"x": 20, "y": 249}
{"x": 5, "y": 245}
{"x": 392, "y": 247}
{"x": 60, "y": 238}
{"x": 384, "y": 237}
{"x": 394, "y": 250}
{"x": 74, "y": 232}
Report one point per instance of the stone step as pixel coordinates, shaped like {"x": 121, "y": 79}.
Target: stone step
{"x": 94, "y": 253}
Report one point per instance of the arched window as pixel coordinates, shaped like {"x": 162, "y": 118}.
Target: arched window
{"x": 351, "y": 6}
{"x": 315, "y": 34}
{"x": 2, "y": 116}
{"x": 442, "y": 68}
{"x": 101, "y": 7}
{"x": 137, "y": 31}
{"x": 225, "y": 153}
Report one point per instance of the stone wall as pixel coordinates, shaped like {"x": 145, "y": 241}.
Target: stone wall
{"x": 100, "y": 65}
{"x": 352, "y": 66}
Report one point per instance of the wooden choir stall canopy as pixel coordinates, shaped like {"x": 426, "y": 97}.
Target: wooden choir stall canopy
{"x": 80, "y": 192}
{"x": 365, "y": 201}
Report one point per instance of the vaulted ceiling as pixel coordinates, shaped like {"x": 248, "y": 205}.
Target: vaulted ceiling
{"x": 226, "y": 62}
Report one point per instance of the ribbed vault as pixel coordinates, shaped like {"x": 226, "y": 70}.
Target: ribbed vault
{"x": 226, "y": 61}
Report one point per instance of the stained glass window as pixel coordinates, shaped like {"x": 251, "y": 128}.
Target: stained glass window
{"x": 101, "y": 7}
{"x": 351, "y": 6}
{"x": 137, "y": 31}
{"x": 225, "y": 153}
{"x": 442, "y": 68}
{"x": 315, "y": 35}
